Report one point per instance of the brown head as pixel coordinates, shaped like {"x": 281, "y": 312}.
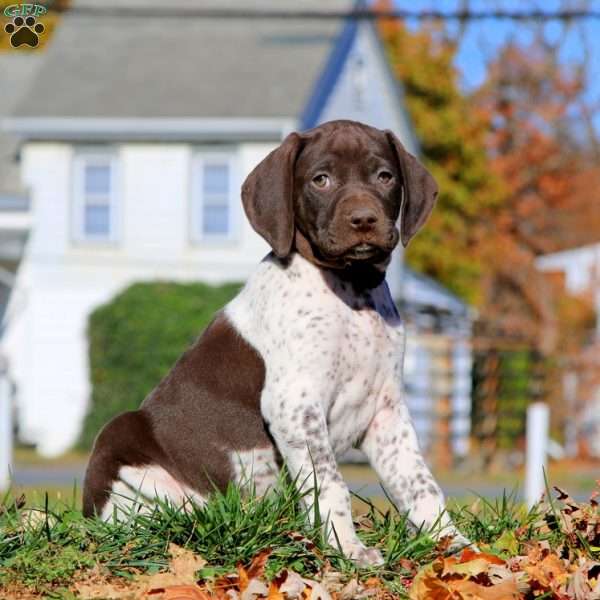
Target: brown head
{"x": 334, "y": 194}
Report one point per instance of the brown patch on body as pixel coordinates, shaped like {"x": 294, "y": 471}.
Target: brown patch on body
{"x": 207, "y": 407}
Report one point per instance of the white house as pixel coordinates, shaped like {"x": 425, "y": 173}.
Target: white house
{"x": 581, "y": 268}
{"x": 135, "y": 135}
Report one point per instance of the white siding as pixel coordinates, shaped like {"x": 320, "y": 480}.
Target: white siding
{"x": 369, "y": 93}
{"x": 46, "y": 171}
{"x": 581, "y": 267}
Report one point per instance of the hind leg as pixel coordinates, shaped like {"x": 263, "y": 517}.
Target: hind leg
{"x": 138, "y": 487}
{"x": 127, "y": 469}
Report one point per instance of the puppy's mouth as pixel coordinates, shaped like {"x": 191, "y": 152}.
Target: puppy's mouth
{"x": 364, "y": 251}
{"x": 361, "y": 251}
{"x": 371, "y": 251}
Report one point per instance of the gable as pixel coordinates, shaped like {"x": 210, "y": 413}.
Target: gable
{"x": 358, "y": 84}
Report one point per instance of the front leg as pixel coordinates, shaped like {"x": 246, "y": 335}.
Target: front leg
{"x": 391, "y": 446}
{"x": 301, "y": 435}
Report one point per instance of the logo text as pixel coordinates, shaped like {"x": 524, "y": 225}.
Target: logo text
{"x": 24, "y": 10}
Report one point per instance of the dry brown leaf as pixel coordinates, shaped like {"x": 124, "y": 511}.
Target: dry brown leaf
{"x": 427, "y": 586}
{"x": 473, "y": 576}
{"x": 275, "y": 593}
{"x": 182, "y": 570}
{"x": 293, "y": 585}
{"x": 242, "y": 579}
{"x": 333, "y": 580}
{"x": 549, "y": 573}
{"x": 255, "y": 589}
{"x": 184, "y": 592}
{"x": 470, "y": 590}
{"x": 443, "y": 544}
{"x": 317, "y": 591}
{"x": 499, "y": 574}
{"x": 467, "y": 554}
{"x": 580, "y": 587}
{"x": 407, "y": 565}
{"x": 471, "y": 568}
{"x": 255, "y": 570}
{"x": 257, "y": 566}
{"x": 350, "y": 590}
{"x": 184, "y": 563}
{"x": 224, "y": 584}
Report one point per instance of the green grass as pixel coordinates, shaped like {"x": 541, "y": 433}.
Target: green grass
{"x": 45, "y": 545}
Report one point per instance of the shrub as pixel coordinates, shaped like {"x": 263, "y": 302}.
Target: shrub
{"x": 136, "y": 338}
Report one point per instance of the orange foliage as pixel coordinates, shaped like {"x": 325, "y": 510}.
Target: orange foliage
{"x": 551, "y": 201}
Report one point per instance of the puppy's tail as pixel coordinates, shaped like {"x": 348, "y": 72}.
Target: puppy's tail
{"x": 119, "y": 443}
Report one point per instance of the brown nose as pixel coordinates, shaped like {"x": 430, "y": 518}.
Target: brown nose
{"x": 363, "y": 219}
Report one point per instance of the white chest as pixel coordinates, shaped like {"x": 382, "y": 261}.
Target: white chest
{"x": 322, "y": 342}
{"x": 370, "y": 358}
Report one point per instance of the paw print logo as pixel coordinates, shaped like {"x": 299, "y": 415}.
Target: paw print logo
{"x": 24, "y": 31}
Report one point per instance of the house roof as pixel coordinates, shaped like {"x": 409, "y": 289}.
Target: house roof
{"x": 120, "y": 66}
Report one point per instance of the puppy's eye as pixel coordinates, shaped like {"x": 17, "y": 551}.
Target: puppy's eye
{"x": 322, "y": 181}
{"x": 385, "y": 177}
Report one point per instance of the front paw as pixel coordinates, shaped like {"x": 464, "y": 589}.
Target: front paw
{"x": 363, "y": 556}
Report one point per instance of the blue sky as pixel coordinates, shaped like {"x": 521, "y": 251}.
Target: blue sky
{"x": 485, "y": 37}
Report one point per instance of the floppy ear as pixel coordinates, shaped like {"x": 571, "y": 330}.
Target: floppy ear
{"x": 267, "y": 196}
{"x": 420, "y": 190}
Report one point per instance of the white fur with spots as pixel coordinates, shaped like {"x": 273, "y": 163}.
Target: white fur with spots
{"x": 333, "y": 360}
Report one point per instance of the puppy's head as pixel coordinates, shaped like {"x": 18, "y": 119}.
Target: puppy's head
{"x": 338, "y": 189}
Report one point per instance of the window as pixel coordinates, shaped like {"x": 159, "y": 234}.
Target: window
{"x": 213, "y": 214}
{"x": 95, "y": 207}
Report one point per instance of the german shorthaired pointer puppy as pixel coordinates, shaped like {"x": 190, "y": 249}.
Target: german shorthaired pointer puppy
{"x": 306, "y": 362}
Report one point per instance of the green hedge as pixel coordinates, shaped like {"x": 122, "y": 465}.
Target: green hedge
{"x": 136, "y": 338}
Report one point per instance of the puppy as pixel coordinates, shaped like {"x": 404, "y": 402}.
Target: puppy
{"x": 306, "y": 362}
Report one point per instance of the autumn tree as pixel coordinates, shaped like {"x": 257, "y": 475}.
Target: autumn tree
{"x": 529, "y": 99}
{"x": 515, "y": 179}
